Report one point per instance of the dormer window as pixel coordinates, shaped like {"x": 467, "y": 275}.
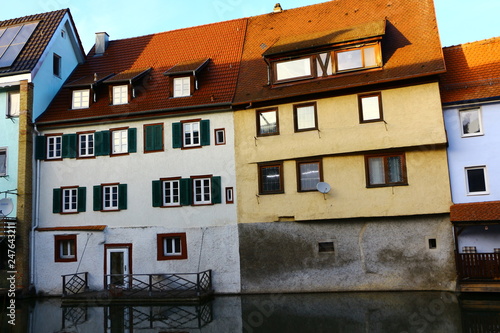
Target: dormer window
{"x": 182, "y": 86}
{"x": 358, "y": 58}
{"x": 81, "y": 99}
{"x": 293, "y": 69}
{"x": 120, "y": 94}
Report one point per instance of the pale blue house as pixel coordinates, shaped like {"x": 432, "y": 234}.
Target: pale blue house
{"x": 37, "y": 54}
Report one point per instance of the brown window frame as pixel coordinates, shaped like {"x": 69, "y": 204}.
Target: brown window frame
{"x": 257, "y": 118}
{"x": 229, "y": 192}
{"x": 270, "y": 165}
{"x": 380, "y": 109}
{"x": 192, "y": 88}
{"x": 217, "y": 143}
{"x": 161, "y": 249}
{"x": 403, "y": 182}
{"x": 296, "y": 118}
{"x": 129, "y": 93}
{"x": 308, "y": 161}
{"x": 312, "y": 63}
{"x": 57, "y": 248}
{"x": 378, "y": 57}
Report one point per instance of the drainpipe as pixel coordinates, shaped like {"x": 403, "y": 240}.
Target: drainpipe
{"x": 37, "y": 215}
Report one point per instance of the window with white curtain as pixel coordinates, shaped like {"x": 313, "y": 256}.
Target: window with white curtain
{"x": 309, "y": 175}
{"x": 386, "y": 170}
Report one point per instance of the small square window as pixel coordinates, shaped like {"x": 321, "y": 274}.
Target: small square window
{"x": 13, "y": 104}
{"x": 305, "y": 118}
{"x": 267, "y": 122}
{"x": 386, "y": 170}
{"x": 309, "y": 175}
{"x": 370, "y": 108}
{"x": 271, "y": 178}
{"x": 171, "y": 246}
{"x": 56, "y": 65}
{"x": 470, "y": 122}
{"x": 432, "y": 243}
{"x": 86, "y": 145}
{"x": 182, "y": 86}
{"x": 476, "y": 180}
{"x": 326, "y": 247}
{"x": 81, "y": 99}
{"x": 229, "y": 195}
{"x": 3, "y": 162}
{"x": 65, "y": 248}
{"x": 220, "y": 136}
{"x": 120, "y": 95}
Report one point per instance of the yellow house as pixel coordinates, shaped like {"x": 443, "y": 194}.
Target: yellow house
{"x": 342, "y": 178}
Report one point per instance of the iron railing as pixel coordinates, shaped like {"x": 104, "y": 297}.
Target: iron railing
{"x": 481, "y": 266}
{"x": 180, "y": 284}
{"x": 75, "y": 283}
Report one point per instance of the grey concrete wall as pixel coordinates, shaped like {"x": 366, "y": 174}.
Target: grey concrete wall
{"x": 369, "y": 254}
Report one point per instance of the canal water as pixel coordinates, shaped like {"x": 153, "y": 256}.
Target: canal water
{"x": 384, "y": 312}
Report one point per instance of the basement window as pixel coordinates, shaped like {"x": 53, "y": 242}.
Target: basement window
{"x": 326, "y": 247}
{"x": 432, "y": 243}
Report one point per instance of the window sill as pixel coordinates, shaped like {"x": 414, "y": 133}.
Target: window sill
{"x": 386, "y": 185}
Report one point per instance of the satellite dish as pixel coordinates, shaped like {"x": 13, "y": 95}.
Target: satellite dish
{"x": 323, "y": 187}
{"x": 6, "y": 206}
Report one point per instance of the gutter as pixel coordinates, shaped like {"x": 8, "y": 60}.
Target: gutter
{"x": 36, "y": 217}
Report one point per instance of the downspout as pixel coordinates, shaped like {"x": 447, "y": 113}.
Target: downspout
{"x": 36, "y": 217}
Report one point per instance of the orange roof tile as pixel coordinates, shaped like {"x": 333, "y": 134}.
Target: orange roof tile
{"x": 75, "y": 228}
{"x": 473, "y": 71}
{"x": 475, "y": 212}
{"x": 222, "y": 43}
{"x": 410, "y": 47}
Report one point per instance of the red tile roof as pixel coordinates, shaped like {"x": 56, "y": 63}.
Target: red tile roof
{"x": 475, "y": 212}
{"x": 410, "y": 47}
{"x": 473, "y": 71}
{"x": 222, "y": 43}
{"x": 37, "y": 43}
{"x": 75, "y": 228}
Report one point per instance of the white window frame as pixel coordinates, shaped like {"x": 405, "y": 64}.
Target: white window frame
{"x": 287, "y": 70}
{"x": 171, "y": 199}
{"x": 86, "y": 147}
{"x": 485, "y": 174}
{"x": 120, "y": 94}
{"x": 221, "y": 132}
{"x": 3, "y": 151}
{"x": 190, "y": 133}
{"x": 182, "y": 86}
{"x": 108, "y": 201}
{"x": 69, "y": 198}
{"x": 81, "y": 99}
{"x": 201, "y": 191}
{"x": 65, "y": 244}
{"x": 13, "y": 104}
{"x": 119, "y": 141}
{"x": 52, "y": 151}
{"x": 479, "y": 119}
{"x": 172, "y": 240}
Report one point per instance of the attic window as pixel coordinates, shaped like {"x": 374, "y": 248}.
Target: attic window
{"x": 182, "y": 86}
{"x": 184, "y": 77}
{"x": 120, "y": 94}
{"x": 81, "y": 99}
{"x": 293, "y": 69}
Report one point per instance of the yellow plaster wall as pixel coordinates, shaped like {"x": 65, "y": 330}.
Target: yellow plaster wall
{"x": 412, "y": 117}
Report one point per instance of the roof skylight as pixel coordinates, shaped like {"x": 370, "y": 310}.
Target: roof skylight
{"x": 12, "y": 41}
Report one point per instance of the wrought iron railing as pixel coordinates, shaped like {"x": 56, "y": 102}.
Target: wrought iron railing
{"x": 180, "y": 284}
{"x": 478, "y": 266}
{"x": 75, "y": 283}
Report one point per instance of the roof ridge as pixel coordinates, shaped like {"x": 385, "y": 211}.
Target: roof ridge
{"x": 477, "y": 42}
{"x": 31, "y": 17}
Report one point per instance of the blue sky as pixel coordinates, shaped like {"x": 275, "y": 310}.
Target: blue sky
{"x": 459, "y": 21}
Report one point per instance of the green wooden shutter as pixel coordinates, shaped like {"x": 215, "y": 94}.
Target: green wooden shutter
{"x": 69, "y": 145}
{"x": 97, "y": 198}
{"x": 157, "y": 197}
{"x": 154, "y": 137}
{"x": 41, "y": 147}
{"x": 205, "y": 132}
{"x": 186, "y": 188}
{"x": 132, "y": 140}
{"x": 82, "y": 199}
{"x": 56, "y": 200}
{"x": 177, "y": 135}
{"x": 216, "y": 190}
{"x": 102, "y": 143}
{"x": 122, "y": 196}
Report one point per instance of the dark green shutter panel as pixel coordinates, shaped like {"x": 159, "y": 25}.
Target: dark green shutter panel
{"x": 56, "y": 200}
{"x": 205, "y": 132}
{"x": 186, "y": 189}
{"x": 69, "y": 145}
{"x": 177, "y": 135}
{"x": 216, "y": 190}
{"x": 82, "y": 199}
{"x": 122, "y": 196}
{"x": 41, "y": 147}
{"x": 154, "y": 137}
{"x": 102, "y": 143}
{"x": 132, "y": 140}
{"x": 97, "y": 197}
{"x": 157, "y": 197}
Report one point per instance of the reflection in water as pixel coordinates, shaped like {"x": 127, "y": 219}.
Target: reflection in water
{"x": 398, "y": 312}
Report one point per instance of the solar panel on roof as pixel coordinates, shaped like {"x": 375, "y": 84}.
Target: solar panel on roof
{"x": 12, "y": 41}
